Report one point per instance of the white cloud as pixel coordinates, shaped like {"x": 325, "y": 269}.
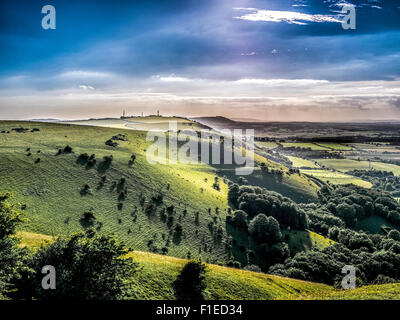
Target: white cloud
{"x": 173, "y": 78}
{"x": 79, "y": 74}
{"x": 85, "y": 87}
{"x": 248, "y": 54}
{"x": 290, "y": 17}
{"x": 282, "y": 82}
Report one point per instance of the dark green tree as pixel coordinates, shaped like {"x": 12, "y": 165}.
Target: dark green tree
{"x": 88, "y": 266}
{"x": 189, "y": 285}
{"x": 265, "y": 229}
{"x": 11, "y": 256}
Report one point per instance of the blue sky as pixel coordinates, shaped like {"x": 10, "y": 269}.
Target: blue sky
{"x": 267, "y": 60}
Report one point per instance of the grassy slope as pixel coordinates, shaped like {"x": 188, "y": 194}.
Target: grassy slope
{"x": 51, "y": 189}
{"x": 305, "y": 240}
{"x": 228, "y": 283}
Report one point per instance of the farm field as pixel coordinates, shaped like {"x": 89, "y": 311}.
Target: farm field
{"x": 336, "y": 177}
{"x": 375, "y": 148}
{"x": 267, "y": 144}
{"x": 348, "y": 164}
{"x": 301, "y": 163}
{"x": 334, "y": 146}
{"x": 303, "y": 145}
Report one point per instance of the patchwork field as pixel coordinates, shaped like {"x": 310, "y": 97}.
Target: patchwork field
{"x": 347, "y": 165}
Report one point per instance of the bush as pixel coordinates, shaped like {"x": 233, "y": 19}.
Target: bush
{"x": 189, "y": 285}
{"x": 239, "y": 219}
{"x": 394, "y": 234}
{"x": 88, "y": 266}
{"x": 67, "y": 149}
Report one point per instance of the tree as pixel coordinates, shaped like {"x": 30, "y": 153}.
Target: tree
{"x": 11, "y": 257}
{"x": 189, "y": 285}
{"x": 265, "y": 229}
{"x": 88, "y": 266}
{"x": 394, "y": 234}
{"x": 240, "y": 219}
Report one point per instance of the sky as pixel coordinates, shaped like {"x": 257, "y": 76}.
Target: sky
{"x": 264, "y": 60}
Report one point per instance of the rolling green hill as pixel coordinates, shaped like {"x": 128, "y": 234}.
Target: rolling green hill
{"x": 56, "y": 189}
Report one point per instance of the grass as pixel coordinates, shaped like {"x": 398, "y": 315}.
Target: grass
{"x": 153, "y": 281}
{"x": 300, "y": 240}
{"x": 267, "y": 144}
{"x": 336, "y": 178}
{"x": 347, "y": 165}
{"x": 374, "y": 223}
{"x": 334, "y": 146}
{"x": 51, "y": 189}
{"x": 304, "y": 145}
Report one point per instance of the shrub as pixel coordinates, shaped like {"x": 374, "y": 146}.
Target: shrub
{"x": 190, "y": 285}
{"x": 89, "y": 267}
{"x": 111, "y": 143}
{"x": 67, "y": 149}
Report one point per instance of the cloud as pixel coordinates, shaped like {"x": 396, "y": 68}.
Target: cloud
{"x": 173, "y": 78}
{"x": 82, "y": 74}
{"x": 282, "y": 82}
{"x": 85, "y": 87}
{"x": 290, "y": 17}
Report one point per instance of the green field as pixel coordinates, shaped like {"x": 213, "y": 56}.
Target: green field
{"x": 347, "y": 165}
{"x": 336, "y": 177}
{"x": 334, "y": 146}
{"x": 224, "y": 283}
{"x": 304, "y": 145}
{"x": 302, "y": 163}
{"x": 267, "y": 144}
